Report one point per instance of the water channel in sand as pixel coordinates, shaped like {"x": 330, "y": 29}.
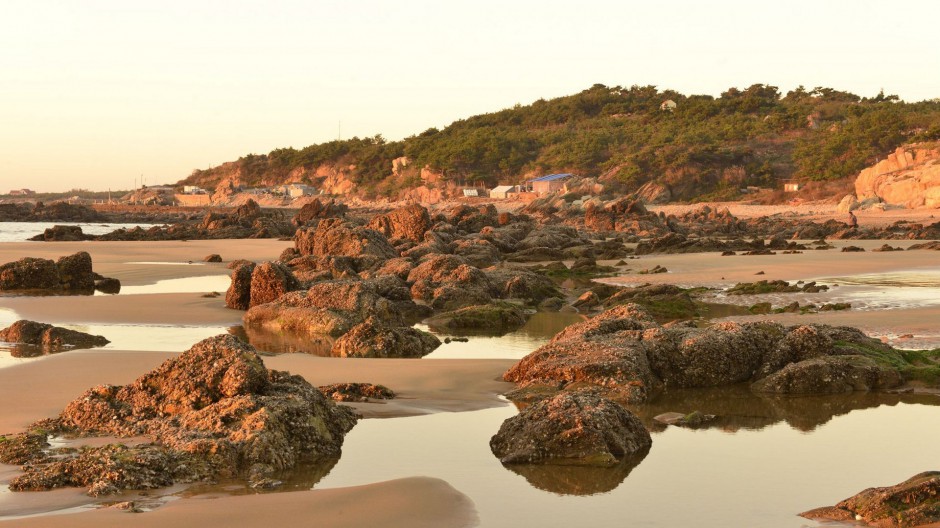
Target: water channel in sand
{"x": 763, "y": 460}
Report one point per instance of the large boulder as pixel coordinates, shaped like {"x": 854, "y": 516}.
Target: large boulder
{"x": 269, "y": 281}
{"x": 372, "y": 339}
{"x": 61, "y": 233}
{"x": 914, "y": 502}
{"x": 448, "y": 283}
{"x": 624, "y": 355}
{"x": 499, "y": 317}
{"x": 72, "y": 273}
{"x": 410, "y": 222}
{"x": 571, "y": 429}
{"x": 316, "y": 210}
{"x": 213, "y": 412}
{"x": 328, "y": 308}
{"x": 238, "y": 296}
{"x": 75, "y": 271}
{"x": 338, "y": 237}
{"x": 49, "y": 338}
{"x": 909, "y": 176}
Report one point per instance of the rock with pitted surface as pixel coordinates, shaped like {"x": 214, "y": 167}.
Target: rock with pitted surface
{"x": 213, "y": 412}
{"x": 372, "y": 339}
{"x": 336, "y": 237}
{"x": 238, "y": 296}
{"x": 269, "y": 281}
{"x": 50, "y": 338}
{"x": 571, "y": 429}
{"x": 356, "y": 392}
{"x": 448, "y": 283}
{"x": 914, "y": 502}
{"x": 330, "y": 307}
{"x": 72, "y": 273}
{"x": 410, "y": 222}
{"x": 624, "y": 355}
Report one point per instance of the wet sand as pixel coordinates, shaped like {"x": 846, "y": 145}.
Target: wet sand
{"x": 40, "y": 388}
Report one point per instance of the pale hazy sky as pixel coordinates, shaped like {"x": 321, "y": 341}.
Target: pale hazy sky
{"x": 94, "y": 93}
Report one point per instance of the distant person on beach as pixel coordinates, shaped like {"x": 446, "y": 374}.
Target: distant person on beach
{"x": 853, "y": 221}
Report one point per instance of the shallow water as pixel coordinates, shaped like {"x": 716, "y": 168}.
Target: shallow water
{"x": 721, "y": 477}
{"x": 21, "y": 231}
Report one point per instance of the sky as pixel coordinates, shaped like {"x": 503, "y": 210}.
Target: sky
{"x": 106, "y": 94}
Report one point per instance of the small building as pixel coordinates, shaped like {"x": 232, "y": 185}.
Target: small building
{"x": 22, "y": 192}
{"x": 503, "y": 191}
{"x": 668, "y": 105}
{"x": 192, "y": 189}
{"x": 791, "y": 186}
{"x": 297, "y": 190}
{"x": 548, "y": 184}
{"x": 473, "y": 192}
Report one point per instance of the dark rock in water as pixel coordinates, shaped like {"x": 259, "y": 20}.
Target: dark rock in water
{"x": 50, "y": 338}
{"x": 914, "y": 502}
{"x": 213, "y": 412}
{"x": 70, "y": 274}
{"x": 356, "y": 392}
{"x": 497, "y": 317}
{"x": 371, "y": 339}
{"x": 693, "y": 419}
{"x": 887, "y": 247}
{"x": 60, "y": 233}
{"x": 215, "y": 257}
{"x": 108, "y": 285}
{"x": 571, "y": 429}
{"x": 622, "y": 354}
{"x": 238, "y": 296}
{"x": 852, "y": 249}
{"x": 75, "y": 271}
{"x": 29, "y": 274}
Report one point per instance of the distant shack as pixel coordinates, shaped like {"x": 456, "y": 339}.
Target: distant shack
{"x": 502, "y": 192}
{"x": 549, "y": 184}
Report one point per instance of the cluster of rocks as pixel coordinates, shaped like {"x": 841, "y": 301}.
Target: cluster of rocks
{"x": 213, "y": 412}
{"x": 914, "y": 502}
{"x": 69, "y": 274}
{"x": 49, "y": 338}
{"x": 54, "y": 212}
{"x": 775, "y": 286}
{"x": 625, "y": 355}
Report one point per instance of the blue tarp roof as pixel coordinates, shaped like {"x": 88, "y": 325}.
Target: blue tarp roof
{"x": 551, "y": 177}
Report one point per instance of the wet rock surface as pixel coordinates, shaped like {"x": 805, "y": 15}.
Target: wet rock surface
{"x": 356, "y": 392}
{"x": 372, "y": 339}
{"x": 914, "y": 502}
{"x": 213, "y": 412}
{"x": 49, "y": 338}
{"x": 69, "y": 274}
{"x": 493, "y": 318}
{"x": 571, "y": 429}
{"x": 624, "y": 355}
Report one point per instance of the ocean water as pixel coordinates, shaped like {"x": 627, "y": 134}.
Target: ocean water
{"x": 21, "y": 231}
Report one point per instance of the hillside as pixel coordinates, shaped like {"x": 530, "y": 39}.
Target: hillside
{"x": 704, "y": 147}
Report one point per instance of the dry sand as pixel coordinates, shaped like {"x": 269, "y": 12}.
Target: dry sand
{"x": 40, "y": 388}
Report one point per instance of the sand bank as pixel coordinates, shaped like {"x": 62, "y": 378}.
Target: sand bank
{"x": 815, "y": 211}
{"x": 411, "y": 502}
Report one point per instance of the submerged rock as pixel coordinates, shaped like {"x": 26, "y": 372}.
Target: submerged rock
{"x": 213, "y": 412}
{"x": 497, "y": 318}
{"x": 571, "y": 429}
{"x": 914, "y": 502}
{"x": 356, "y": 392}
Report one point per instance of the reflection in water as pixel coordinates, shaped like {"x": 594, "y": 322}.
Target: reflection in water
{"x": 577, "y": 480}
{"x": 738, "y": 408}
{"x": 283, "y": 342}
{"x": 205, "y": 283}
{"x": 537, "y": 331}
{"x": 304, "y": 476}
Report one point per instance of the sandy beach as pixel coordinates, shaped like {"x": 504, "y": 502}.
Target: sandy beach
{"x": 40, "y": 388}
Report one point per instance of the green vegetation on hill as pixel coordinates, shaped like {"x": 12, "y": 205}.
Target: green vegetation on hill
{"x": 754, "y": 136}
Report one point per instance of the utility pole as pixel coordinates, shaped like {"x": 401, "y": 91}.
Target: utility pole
{"x": 339, "y": 130}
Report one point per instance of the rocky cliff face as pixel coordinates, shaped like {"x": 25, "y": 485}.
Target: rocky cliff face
{"x": 910, "y": 176}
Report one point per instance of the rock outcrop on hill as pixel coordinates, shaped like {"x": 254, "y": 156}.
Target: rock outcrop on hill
{"x": 910, "y": 176}
{"x": 213, "y": 412}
